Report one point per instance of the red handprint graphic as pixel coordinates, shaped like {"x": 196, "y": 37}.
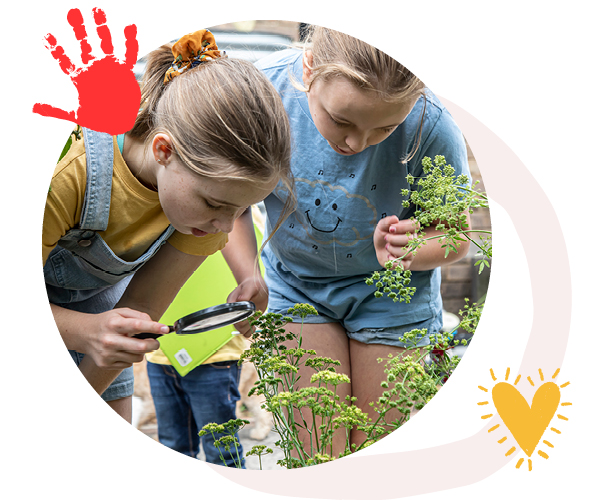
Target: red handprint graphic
{"x": 108, "y": 93}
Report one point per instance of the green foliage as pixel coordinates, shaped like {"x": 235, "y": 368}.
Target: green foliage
{"x": 441, "y": 200}
{"x": 471, "y": 315}
{"x": 409, "y": 385}
{"x": 226, "y": 439}
{"x": 393, "y": 282}
{"x": 413, "y": 376}
{"x": 259, "y": 451}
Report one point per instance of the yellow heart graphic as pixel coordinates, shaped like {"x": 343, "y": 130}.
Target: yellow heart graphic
{"x": 527, "y": 425}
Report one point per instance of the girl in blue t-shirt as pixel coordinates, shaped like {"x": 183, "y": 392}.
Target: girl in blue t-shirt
{"x": 360, "y": 122}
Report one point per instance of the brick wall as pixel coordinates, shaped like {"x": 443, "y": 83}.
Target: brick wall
{"x": 461, "y": 279}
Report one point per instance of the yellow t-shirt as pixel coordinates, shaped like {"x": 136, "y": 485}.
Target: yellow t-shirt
{"x": 136, "y": 218}
{"x": 135, "y": 221}
{"x": 231, "y": 351}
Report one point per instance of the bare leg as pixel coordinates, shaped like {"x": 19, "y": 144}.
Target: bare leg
{"x": 123, "y": 407}
{"x": 100, "y": 379}
{"x": 367, "y": 375}
{"x": 358, "y": 361}
{"x": 328, "y": 340}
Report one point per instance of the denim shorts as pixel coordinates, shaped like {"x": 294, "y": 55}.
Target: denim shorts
{"x": 280, "y": 302}
{"x": 94, "y": 302}
{"x": 120, "y": 388}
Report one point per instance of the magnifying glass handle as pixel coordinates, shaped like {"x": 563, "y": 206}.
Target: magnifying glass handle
{"x": 147, "y": 335}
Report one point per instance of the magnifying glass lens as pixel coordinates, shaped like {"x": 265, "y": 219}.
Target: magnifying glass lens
{"x": 230, "y": 317}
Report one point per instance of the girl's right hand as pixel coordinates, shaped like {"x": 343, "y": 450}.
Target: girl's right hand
{"x": 108, "y": 337}
{"x": 391, "y": 235}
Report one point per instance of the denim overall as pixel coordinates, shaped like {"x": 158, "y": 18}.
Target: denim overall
{"x": 82, "y": 273}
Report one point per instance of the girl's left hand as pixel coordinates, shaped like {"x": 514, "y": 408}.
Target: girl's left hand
{"x": 391, "y": 236}
{"x": 255, "y": 290}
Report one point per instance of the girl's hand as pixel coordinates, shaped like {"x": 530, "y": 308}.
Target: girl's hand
{"x": 391, "y": 236}
{"x": 255, "y": 290}
{"x": 106, "y": 337}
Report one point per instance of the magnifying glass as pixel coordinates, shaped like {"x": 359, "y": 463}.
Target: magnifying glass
{"x": 209, "y": 318}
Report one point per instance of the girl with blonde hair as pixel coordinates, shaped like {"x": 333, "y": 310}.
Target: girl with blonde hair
{"x": 360, "y": 123}
{"x": 129, "y": 218}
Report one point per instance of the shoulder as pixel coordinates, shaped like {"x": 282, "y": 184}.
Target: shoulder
{"x": 279, "y": 59}
{"x": 440, "y": 134}
{"x": 70, "y": 173}
{"x": 280, "y": 65}
{"x": 437, "y": 115}
{"x": 65, "y": 197}
{"x": 430, "y": 118}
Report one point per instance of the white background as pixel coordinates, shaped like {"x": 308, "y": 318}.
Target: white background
{"x": 535, "y": 73}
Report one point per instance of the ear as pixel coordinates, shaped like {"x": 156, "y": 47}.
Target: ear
{"x": 162, "y": 148}
{"x": 307, "y": 67}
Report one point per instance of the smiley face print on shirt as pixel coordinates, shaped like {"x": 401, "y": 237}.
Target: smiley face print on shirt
{"x": 330, "y": 214}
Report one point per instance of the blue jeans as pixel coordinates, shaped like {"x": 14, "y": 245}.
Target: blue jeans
{"x": 184, "y": 405}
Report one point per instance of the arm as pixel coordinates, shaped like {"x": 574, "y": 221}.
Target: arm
{"x": 392, "y": 234}
{"x": 241, "y": 256}
{"x": 148, "y": 295}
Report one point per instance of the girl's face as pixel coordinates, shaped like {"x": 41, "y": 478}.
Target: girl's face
{"x": 199, "y": 205}
{"x": 352, "y": 119}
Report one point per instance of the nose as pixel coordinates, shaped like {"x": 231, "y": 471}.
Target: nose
{"x": 224, "y": 223}
{"x": 356, "y": 142}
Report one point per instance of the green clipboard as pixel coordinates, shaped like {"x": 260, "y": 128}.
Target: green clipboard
{"x": 186, "y": 352}
{"x": 210, "y": 284}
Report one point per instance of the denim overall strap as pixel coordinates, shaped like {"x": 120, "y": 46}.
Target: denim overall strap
{"x": 100, "y": 159}
{"x": 82, "y": 264}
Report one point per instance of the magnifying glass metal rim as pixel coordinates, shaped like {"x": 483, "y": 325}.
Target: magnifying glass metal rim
{"x": 181, "y": 326}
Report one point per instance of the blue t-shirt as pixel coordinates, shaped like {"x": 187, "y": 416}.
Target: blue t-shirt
{"x": 329, "y": 239}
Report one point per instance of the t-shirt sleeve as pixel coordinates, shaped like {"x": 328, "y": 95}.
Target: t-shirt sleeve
{"x": 440, "y": 137}
{"x": 446, "y": 139}
{"x": 192, "y": 245}
{"x": 64, "y": 203}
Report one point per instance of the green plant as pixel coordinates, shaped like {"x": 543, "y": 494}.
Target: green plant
{"x": 225, "y": 439}
{"x": 440, "y": 200}
{"x": 278, "y": 368}
{"x": 410, "y": 384}
{"x": 259, "y": 451}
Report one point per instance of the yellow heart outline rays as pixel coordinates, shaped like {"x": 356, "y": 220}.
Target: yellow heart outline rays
{"x": 526, "y": 424}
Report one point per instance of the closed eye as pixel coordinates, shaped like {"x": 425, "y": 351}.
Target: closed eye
{"x": 339, "y": 124}
{"x": 213, "y": 207}
{"x": 386, "y": 130}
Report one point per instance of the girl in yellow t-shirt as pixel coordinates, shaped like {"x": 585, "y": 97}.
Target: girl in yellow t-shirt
{"x": 210, "y": 140}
